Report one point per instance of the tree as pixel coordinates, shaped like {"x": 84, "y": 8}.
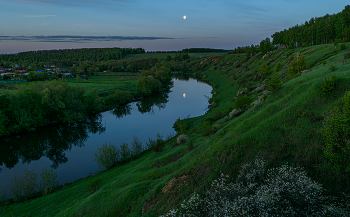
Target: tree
{"x": 264, "y": 69}
{"x": 124, "y": 151}
{"x": 297, "y": 66}
{"x": 136, "y": 145}
{"x": 147, "y": 84}
{"x": 130, "y": 68}
{"x": 265, "y": 46}
{"x": 275, "y": 82}
{"x": 107, "y": 155}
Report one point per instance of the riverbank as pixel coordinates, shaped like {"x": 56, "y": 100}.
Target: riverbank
{"x": 69, "y": 148}
{"x": 282, "y": 126}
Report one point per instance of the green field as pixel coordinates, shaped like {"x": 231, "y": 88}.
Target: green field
{"x": 95, "y": 83}
{"x": 283, "y": 128}
{"x": 105, "y": 84}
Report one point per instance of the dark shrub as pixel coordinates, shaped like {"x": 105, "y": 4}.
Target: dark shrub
{"x": 329, "y": 84}
{"x": 242, "y": 102}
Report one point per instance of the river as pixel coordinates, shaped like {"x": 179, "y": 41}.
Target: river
{"x": 69, "y": 148}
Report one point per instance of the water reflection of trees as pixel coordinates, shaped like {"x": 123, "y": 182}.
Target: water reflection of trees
{"x": 183, "y": 76}
{"x": 157, "y": 100}
{"x": 145, "y": 105}
{"x": 188, "y": 76}
{"x": 51, "y": 142}
{"x": 122, "y": 111}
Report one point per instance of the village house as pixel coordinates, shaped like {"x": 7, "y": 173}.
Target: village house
{"x": 22, "y": 69}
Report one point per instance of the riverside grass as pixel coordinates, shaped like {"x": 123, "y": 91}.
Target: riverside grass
{"x": 282, "y": 129}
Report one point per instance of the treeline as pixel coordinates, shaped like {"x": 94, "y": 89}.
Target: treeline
{"x": 264, "y": 47}
{"x": 322, "y": 30}
{"x": 318, "y": 30}
{"x": 193, "y": 50}
{"x": 66, "y": 57}
{"x": 203, "y": 50}
{"x": 90, "y": 67}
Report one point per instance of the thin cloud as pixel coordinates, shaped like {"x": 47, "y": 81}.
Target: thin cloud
{"x": 41, "y": 16}
{"x": 77, "y": 38}
{"x": 78, "y": 3}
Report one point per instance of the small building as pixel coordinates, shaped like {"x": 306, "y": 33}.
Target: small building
{"x": 21, "y": 69}
{"x": 6, "y": 70}
{"x": 68, "y": 75}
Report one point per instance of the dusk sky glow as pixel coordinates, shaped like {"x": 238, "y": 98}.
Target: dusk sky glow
{"x": 154, "y": 25}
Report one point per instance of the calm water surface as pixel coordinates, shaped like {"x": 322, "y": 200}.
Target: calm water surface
{"x": 70, "y": 148}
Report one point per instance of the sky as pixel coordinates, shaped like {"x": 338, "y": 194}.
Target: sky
{"x": 155, "y": 25}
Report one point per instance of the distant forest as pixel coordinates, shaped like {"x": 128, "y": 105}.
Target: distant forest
{"x": 319, "y": 30}
{"x": 89, "y": 60}
{"x": 193, "y": 50}
{"x": 68, "y": 57}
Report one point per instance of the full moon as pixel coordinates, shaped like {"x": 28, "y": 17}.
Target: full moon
{"x": 184, "y": 95}
{"x": 184, "y": 17}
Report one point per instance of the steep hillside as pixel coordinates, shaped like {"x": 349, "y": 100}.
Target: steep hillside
{"x": 283, "y": 124}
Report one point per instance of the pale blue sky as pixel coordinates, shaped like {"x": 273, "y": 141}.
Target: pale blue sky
{"x": 152, "y": 24}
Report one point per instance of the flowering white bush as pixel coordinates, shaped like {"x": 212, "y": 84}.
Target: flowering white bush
{"x": 181, "y": 139}
{"x": 258, "y": 191}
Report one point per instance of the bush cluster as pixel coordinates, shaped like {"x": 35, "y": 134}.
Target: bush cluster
{"x": 218, "y": 115}
{"x": 329, "y": 84}
{"x": 119, "y": 97}
{"x": 181, "y": 126}
{"x": 264, "y": 70}
{"x": 258, "y": 191}
{"x": 297, "y": 66}
{"x": 109, "y": 155}
{"x": 336, "y": 136}
{"x": 275, "y": 82}
{"x": 242, "y": 102}
{"x": 157, "y": 144}
{"x": 207, "y": 128}
{"x": 26, "y": 186}
{"x": 136, "y": 147}
{"x": 37, "y": 76}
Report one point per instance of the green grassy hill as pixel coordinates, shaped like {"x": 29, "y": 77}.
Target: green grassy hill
{"x": 284, "y": 127}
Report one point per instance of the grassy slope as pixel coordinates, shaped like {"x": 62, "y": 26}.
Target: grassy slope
{"x": 282, "y": 129}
